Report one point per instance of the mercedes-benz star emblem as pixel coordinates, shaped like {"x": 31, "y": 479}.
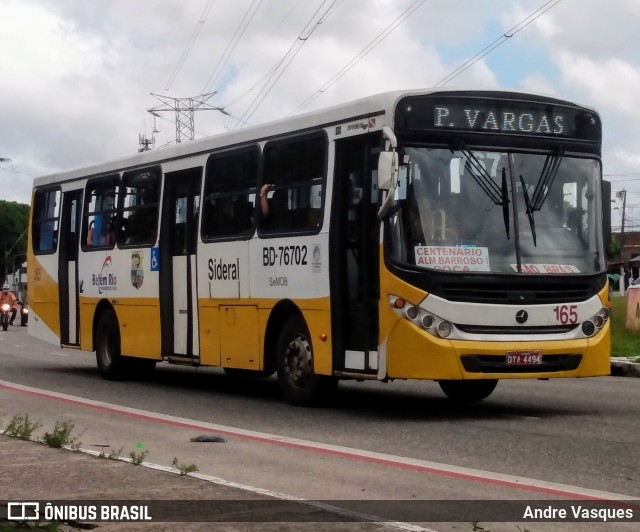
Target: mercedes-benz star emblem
{"x": 522, "y": 316}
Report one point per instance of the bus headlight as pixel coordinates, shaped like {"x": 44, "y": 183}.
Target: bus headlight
{"x": 420, "y": 317}
{"x": 588, "y": 328}
{"x": 427, "y": 321}
{"x": 412, "y": 312}
{"x": 595, "y": 322}
{"x": 444, "y": 328}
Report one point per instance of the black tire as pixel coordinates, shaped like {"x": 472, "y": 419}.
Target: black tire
{"x": 139, "y": 368}
{"x": 299, "y": 384}
{"x": 468, "y": 391}
{"x": 5, "y": 326}
{"x": 110, "y": 363}
{"x": 245, "y": 374}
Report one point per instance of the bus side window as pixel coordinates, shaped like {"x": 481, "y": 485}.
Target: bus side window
{"x": 230, "y": 193}
{"x": 46, "y": 213}
{"x": 294, "y": 171}
{"x": 138, "y": 207}
{"x": 99, "y": 227}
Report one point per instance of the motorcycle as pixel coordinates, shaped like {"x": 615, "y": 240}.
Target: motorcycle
{"x": 5, "y": 316}
{"x": 24, "y": 315}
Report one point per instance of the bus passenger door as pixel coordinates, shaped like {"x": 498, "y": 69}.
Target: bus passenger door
{"x": 355, "y": 236}
{"x": 68, "y": 268}
{"x": 178, "y": 243}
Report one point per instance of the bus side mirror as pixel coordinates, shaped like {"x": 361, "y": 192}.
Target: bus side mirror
{"x": 387, "y": 179}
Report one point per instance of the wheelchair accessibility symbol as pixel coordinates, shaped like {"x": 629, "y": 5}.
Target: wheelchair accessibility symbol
{"x": 155, "y": 259}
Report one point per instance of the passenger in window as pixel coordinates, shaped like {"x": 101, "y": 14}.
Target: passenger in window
{"x": 264, "y": 200}
{"x": 275, "y": 212}
{"x": 101, "y": 232}
{"x": 90, "y": 234}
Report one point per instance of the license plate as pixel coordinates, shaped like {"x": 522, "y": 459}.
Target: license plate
{"x": 524, "y": 358}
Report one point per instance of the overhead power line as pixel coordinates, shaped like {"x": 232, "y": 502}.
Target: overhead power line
{"x": 361, "y": 55}
{"x": 276, "y": 72}
{"x": 231, "y": 46}
{"x": 499, "y": 41}
{"x": 192, "y": 39}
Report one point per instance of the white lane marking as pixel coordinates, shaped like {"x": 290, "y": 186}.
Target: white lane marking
{"x": 274, "y": 494}
{"x": 414, "y": 464}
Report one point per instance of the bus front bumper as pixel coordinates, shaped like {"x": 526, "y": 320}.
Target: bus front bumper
{"x": 416, "y": 354}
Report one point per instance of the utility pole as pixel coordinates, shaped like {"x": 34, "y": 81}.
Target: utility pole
{"x": 622, "y": 195}
{"x": 144, "y": 143}
{"x": 184, "y": 109}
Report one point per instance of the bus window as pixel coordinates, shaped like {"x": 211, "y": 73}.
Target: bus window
{"x": 46, "y": 213}
{"x": 99, "y": 228}
{"x": 138, "y": 207}
{"x": 230, "y": 194}
{"x": 294, "y": 171}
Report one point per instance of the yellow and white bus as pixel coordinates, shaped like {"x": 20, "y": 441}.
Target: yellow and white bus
{"x": 448, "y": 235}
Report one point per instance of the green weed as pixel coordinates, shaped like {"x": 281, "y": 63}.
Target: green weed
{"x": 183, "y": 468}
{"x": 113, "y": 455}
{"x": 22, "y": 427}
{"x": 138, "y": 457}
{"x": 61, "y": 436}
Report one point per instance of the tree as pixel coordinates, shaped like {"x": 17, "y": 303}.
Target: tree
{"x": 613, "y": 250}
{"x": 14, "y": 220}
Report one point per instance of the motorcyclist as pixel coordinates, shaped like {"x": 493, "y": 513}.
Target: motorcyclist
{"x": 7, "y": 297}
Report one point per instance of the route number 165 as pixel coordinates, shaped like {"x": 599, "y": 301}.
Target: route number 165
{"x": 566, "y": 314}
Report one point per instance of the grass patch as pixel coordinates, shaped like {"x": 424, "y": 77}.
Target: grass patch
{"x": 22, "y": 427}
{"x": 137, "y": 457}
{"x": 184, "y": 468}
{"x": 61, "y": 436}
{"x": 624, "y": 342}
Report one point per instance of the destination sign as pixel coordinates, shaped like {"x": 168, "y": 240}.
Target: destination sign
{"x": 484, "y": 118}
{"x": 497, "y": 116}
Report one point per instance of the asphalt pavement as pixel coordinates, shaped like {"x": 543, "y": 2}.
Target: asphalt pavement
{"x": 82, "y": 490}
{"x": 165, "y": 498}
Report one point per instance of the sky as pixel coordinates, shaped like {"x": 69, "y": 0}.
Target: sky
{"x": 77, "y": 77}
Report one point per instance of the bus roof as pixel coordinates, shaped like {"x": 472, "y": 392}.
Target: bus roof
{"x": 377, "y": 104}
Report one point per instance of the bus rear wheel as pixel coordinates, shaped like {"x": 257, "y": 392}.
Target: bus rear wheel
{"x": 299, "y": 384}
{"x": 110, "y": 362}
{"x": 112, "y": 365}
{"x": 468, "y": 391}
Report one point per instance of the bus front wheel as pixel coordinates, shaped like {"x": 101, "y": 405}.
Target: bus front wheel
{"x": 468, "y": 391}
{"x": 110, "y": 362}
{"x": 299, "y": 384}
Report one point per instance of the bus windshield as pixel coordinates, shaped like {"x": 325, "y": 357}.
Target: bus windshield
{"x": 497, "y": 211}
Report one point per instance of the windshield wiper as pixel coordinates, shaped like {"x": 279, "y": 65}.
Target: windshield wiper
{"x": 527, "y": 202}
{"x": 547, "y": 176}
{"x": 540, "y": 193}
{"x": 505, "y": 201}
{"x": 480, "y": 175}
{"x": 499, "y": 195}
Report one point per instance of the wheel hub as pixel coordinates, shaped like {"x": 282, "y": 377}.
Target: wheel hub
{"x": 298, "y": 360}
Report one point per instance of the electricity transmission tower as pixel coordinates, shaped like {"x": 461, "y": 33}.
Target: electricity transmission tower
{"x": 184, "y": 109}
